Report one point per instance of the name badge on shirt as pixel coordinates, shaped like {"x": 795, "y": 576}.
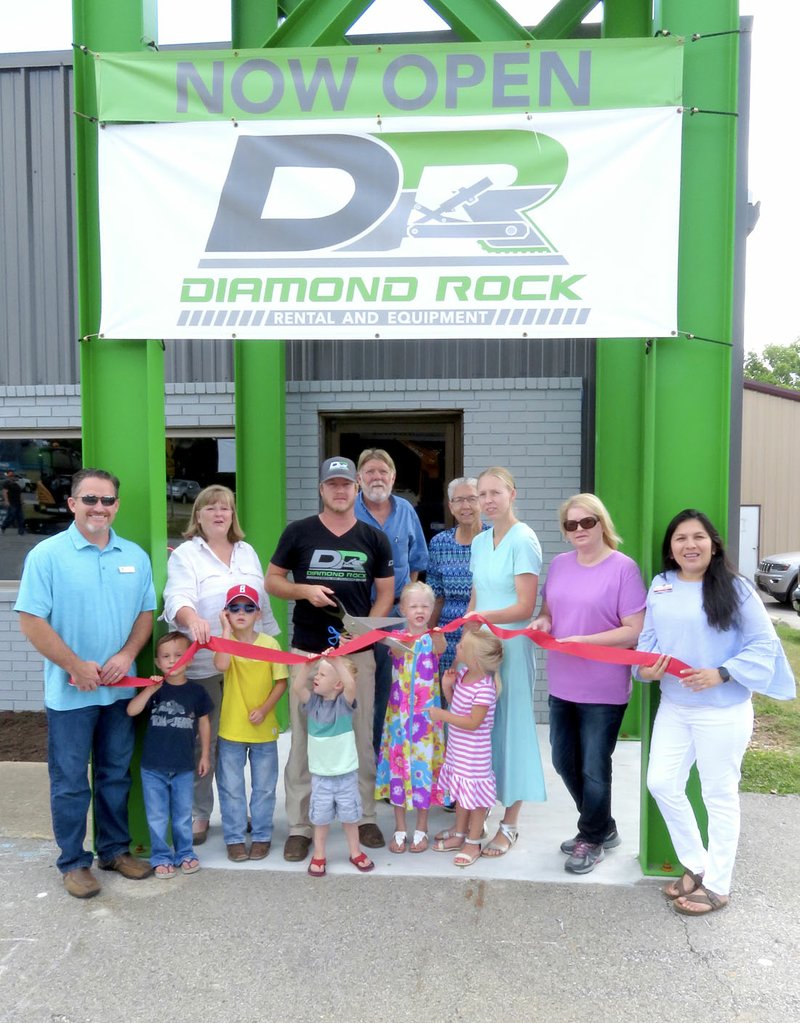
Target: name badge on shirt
{"x": 666, "y": 588}
{"x": 127, "y": 569}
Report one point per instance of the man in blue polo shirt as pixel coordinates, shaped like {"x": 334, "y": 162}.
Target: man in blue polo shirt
{"x": 379, "y": 507}
{"x": 85, "y": 602}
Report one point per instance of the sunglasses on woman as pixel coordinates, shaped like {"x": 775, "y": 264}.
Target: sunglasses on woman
{"x": 248, "y": 609}
{"x": 588, "y": 523}
{"x": 92, "y": 499}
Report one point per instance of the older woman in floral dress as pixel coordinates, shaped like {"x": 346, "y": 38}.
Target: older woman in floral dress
{"x": 449, "y": 574}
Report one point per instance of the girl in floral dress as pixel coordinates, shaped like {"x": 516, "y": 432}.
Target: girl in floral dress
{"x": 412, "y": 746}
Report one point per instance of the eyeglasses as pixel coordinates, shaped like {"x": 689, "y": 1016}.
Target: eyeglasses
{"x": 248, "y": 609}
{"x": 92, "y": 499}
{"x": 464, "y": 500}
{"x": 588, "y": 523}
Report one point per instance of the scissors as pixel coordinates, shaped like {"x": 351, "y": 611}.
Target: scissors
{"x": 357, "y": 626}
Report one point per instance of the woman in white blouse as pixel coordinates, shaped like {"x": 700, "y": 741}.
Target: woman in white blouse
{"x": 199, "y": 574}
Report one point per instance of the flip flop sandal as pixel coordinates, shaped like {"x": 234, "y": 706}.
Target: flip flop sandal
{"x": 362, "y": 863}
{"x": 701, "y": 897}
{"x": 164, "y": 872}
{"x": 190, "y": 866}
{"x": 399, "y": 841}
{"x": 466, "y": 858}
{"x": 319, "y": 862}
{"x": 495, "y": 851}
{"x": 420, "y": 843}
{"x": 675, "y": 889}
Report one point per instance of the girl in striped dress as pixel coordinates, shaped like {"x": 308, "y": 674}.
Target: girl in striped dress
{"x": 467, "y": 771}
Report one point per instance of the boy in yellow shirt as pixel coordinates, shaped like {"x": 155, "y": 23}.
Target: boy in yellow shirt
{"x": 247, "y": 726}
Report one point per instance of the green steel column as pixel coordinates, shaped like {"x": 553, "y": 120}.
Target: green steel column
{"x": 694, "y": 376}
{"x": 621, "y": 462}
{"x": 122, "y": 382}
{"x": 260, "y": 383}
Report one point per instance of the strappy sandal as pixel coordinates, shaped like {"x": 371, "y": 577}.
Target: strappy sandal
{"x": 709, "y": 900}
{"x": 466, "y": 858}
{"x": 441, "y": 840}
{"x": 676, "y": 889}
{"x": 420, "y": 842}
{"x": 510, "y": 833}
{"x": 398, "y": 842}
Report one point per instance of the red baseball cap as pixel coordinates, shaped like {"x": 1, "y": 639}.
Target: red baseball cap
{"x": 235, "y": 592}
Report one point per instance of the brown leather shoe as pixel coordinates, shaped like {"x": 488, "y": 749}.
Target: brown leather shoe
{"x": 81, "y": 883}
{"x": 260, "y": 850}
{"x": 371, "y": 836}
{"x": 129, "y": 866}
{"x": 237, "y": 852}
{"x": 296, "y": 848}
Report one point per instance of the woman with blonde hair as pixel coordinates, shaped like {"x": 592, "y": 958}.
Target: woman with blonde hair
{"x": 505, "y": 564}
{"x": 593, "y": 594}
{"x": 199, "y": 574}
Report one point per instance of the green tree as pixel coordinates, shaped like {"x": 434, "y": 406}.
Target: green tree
{"x": 778, "y": 364}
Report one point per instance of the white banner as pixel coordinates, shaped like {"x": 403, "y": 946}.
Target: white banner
{"x": 546, "y": 225}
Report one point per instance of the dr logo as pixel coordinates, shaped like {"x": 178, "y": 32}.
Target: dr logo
{"x": 331, "y": 561}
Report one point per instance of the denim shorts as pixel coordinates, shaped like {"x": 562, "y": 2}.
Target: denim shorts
{"x": 335, "y": 796}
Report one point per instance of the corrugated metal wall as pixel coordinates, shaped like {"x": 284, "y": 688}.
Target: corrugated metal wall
{"x": 37, "y": 293}
{"x": 37, "y": 275}
{"x": 771, "y": 466}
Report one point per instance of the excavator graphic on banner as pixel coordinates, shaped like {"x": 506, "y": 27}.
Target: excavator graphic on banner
{"x": 500, "y": 177}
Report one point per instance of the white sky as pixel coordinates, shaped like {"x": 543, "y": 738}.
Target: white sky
{"x": 771, "y": 314}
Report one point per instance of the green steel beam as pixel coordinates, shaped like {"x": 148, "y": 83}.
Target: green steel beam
{"x": 563, "y": 19}
{"x": 260, "y": 393}
{"x": 315, "y": 23}
{"x": 479, "y": 20}
{"x": 122, "y": 382}
{"x": 255, "y": 21}
{"x": 623, "y": 444}
{"x": 677, "y": 450}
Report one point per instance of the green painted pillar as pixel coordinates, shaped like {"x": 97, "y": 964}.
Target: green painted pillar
{"x": 677, "y": 452}
{"x": 620, "y": 435}
{"x": 260, "y": 385}
{"x": 122, "y": 382}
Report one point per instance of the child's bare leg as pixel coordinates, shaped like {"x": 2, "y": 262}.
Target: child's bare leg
{"x": 421, "y": 832}
{"x": 351, "y": 834}
{"x": 476, "y": 820}
{"x": 398, "y": 844}
{"x": 320, "y": 840}
{"x": 453, "y": 839}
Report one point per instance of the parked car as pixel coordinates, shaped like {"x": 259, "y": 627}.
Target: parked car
{"x": 796, "y": 600}
{"x": 183, "y": 490}
{"x": 778, "y": 575}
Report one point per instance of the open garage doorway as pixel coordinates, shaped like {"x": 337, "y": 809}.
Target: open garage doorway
{"x": 427, "y": 448}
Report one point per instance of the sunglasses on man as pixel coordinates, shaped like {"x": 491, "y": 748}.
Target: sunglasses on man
{"x": 92, "y": 499}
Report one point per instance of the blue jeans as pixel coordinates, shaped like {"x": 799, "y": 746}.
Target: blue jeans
{"x": 105, "y": 734}
{"x": 231, "y": 760}
{"x": 582, "y": 739}
{"x": 383, "y": 686}
{"x": 168, "y": 798}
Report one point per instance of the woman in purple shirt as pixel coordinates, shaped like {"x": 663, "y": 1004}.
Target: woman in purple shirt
{"x": 593, "y": 594}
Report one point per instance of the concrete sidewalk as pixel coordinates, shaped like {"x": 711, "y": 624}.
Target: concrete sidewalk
{"x": 417, "y": 939}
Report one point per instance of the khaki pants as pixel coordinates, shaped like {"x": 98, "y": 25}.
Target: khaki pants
{"x": 297, "y": 778}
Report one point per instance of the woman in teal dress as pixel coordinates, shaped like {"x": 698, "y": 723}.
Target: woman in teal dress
{"x": 505, "y": 563}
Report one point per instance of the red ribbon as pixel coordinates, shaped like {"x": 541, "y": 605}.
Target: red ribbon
{"x": 588, "y": 651}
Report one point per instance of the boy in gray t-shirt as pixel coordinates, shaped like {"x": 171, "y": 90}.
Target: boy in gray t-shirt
{"x": 332, "y": 756}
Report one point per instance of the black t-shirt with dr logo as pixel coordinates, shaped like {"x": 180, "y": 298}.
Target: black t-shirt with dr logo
{"x": 348, "y": 564}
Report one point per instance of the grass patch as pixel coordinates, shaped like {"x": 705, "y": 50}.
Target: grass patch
{"x": 772, "y": 763}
